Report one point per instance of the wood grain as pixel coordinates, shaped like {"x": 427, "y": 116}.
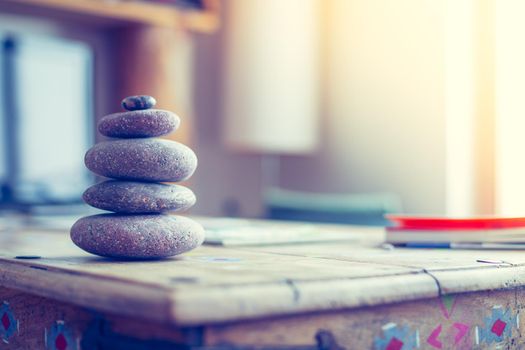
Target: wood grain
{"x": 40, "y": 320}
{"x": 372, "y": 328}
{"x": 428, "y": 259}
{"x": 212, "y": 305}
{"x": 423, "y": 324}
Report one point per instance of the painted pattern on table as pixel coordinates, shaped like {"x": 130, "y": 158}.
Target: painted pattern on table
{"x": 496, "y": 327}
{"x": 9, "y": 325}
{"x": 498, "y": 324}
{"x": 60, "y": 337}
{"x": 396, "y": 337}
{"x": 450, "y": 333}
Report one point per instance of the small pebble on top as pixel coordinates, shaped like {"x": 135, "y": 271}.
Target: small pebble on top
{"x": 138, "y": 102}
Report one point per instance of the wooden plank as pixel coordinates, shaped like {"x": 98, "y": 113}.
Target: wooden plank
{"x": 496, "y": 277}
{"x": 118, "y": 13}
{"x": 102, "y": 294}
{"x": 428, "y": 259}
{"x": 195, "y": 306}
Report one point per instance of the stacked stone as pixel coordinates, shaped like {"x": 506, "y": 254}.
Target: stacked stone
{"x": 137, "y": 163}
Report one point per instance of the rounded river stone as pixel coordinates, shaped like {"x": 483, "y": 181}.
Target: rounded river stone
{"x": 136, "y": 236}
{"x": 139, "y": 197}
{"x": 135, "y": 124}
{"x": 153, "y": 160}
{"x": 133, "y": 103}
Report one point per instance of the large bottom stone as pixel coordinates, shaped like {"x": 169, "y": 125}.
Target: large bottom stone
{"x": 136, "y": 236}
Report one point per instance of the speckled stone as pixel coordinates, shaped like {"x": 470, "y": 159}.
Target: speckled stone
{"x": 135, "y": 124}
{"x": 151, "y": 160}
{"x": 133, "y": 103}
{"x": 139, "y": 197}
{"x": 136, "y": 236}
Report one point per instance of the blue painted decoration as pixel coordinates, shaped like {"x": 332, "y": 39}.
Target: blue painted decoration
{"x": 395, "y": 337}
{"x": 498, "y": 326}
{"x": 60, "y": 337}
{"x": 8, "y": 322}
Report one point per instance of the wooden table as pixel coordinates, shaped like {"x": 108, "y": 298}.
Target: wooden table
{"x": 346, "y": 295}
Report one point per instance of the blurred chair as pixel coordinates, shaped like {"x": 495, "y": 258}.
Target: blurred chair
{"x": 357, "y": 209}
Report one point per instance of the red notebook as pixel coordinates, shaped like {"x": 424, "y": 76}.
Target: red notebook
{"x": 429, "y": 230}
{"x": 447, "y": 223}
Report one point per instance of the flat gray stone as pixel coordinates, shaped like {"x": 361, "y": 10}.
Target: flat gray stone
{"x": 136, "y": 236}
{"x": 140, "y": 123}
{"x": 133, "y": 103}
{"x": 139, "y": 197}
{"x": 153, "y": 160}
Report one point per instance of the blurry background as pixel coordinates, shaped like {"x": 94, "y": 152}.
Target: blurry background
{"x": 334, "y": 110}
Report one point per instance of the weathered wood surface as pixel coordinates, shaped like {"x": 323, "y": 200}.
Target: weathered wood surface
{"x": 480, "y": 320}
{"x": 217, "y": 284}
{"x": 30, "y": 322}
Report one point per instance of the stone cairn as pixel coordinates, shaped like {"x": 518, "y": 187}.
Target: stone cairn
{"x": 138, "y": 163}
